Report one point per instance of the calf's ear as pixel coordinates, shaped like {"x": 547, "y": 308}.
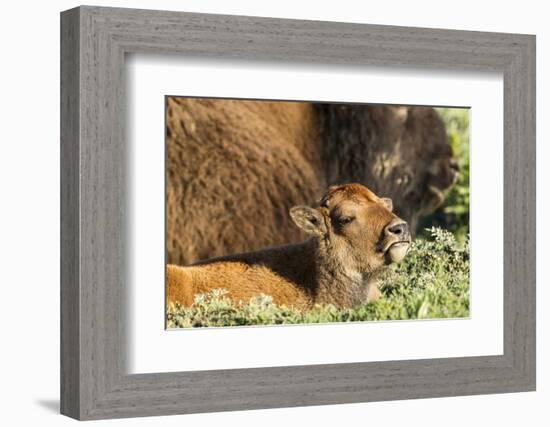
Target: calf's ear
{"x": 388, "y": 203}
{"x": 308, "y": 219}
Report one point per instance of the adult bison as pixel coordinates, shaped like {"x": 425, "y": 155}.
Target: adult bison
{"x": 235, "y": 168}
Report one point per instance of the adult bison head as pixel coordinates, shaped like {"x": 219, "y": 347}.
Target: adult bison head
{"x": 401, "y": 152}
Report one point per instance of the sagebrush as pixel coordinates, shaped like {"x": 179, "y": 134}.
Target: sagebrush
{"x": 431, "y": 282}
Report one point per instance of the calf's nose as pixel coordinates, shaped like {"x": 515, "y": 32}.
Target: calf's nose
{"x": 398, "y": 229}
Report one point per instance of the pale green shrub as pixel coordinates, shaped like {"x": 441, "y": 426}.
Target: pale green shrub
{"x": 431, "y": 282}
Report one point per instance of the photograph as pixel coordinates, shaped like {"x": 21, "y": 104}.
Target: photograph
{"x": 297, "y": 212}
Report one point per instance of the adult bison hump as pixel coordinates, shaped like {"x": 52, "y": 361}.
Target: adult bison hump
{"x": 236, "y": 167}
{"x": 233, "y": 173}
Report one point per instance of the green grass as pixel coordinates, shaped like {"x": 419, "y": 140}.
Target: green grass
{"x": 431, "y": 282}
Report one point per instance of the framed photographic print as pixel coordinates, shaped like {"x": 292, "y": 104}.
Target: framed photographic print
{"x": 260, "y": 213}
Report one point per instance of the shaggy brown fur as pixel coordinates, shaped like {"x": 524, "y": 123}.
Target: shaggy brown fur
{"x": 355, "y": 234}
{"x": 401, "y": 152}
{"x": 234, "y": 168}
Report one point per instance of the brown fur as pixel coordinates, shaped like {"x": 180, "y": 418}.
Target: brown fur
{"x": 234, "y": 168}
{"x": 352, "y": 241}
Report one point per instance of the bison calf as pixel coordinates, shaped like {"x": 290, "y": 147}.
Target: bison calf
{"x": 354, "y": 234}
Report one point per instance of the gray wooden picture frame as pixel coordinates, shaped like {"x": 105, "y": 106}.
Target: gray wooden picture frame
{"x": 94, "y": 382}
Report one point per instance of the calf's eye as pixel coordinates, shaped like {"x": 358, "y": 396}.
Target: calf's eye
{"x": 343, "y": 220}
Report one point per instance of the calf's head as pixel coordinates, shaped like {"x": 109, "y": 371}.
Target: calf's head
{"x": 356, "y": 228}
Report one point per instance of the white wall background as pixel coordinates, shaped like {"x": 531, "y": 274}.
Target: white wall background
{"x": 29, "y": 212}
